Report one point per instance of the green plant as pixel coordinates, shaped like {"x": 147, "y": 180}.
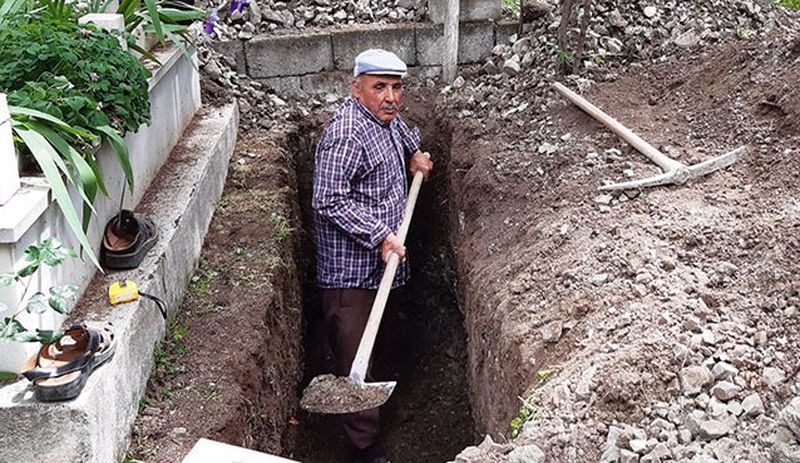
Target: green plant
{"x": 565, "y": 57}
{"x": 43, "y": 56}
{"x": 526, "y": 413}
{"x": 202, "y": 280}
{"x": 159, "y": 18}
{"x": 69, "y": 89}
{"x": 171, "y": 349}
{"x": 282, "y": 228}
{"x": 49, "y": 252}
{"x": 743, "y": 33}
{"x": 512, "y": 5}
{"x": 544, "y": 375}
{"x": 790, "y": 4}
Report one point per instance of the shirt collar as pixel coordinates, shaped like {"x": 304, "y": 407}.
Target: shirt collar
{"x": 369, "y": 114}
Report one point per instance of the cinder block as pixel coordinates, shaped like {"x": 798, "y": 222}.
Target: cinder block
{"x": 284, "y": 86}
{"x": 232, "y": 49}
{"x": 336, "y": 82}
{"x": 503, "y": 30}
{"x": 469, "y": 10}
{"x": 289, "y": 55}
{"x": 399, "y": 39}
{"x": 475, "y": 43}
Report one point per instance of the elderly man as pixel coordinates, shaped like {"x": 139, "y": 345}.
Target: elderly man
{"x": 360, "y": 190}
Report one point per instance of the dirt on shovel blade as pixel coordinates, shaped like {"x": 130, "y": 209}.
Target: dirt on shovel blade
{"x": 335, "y": 394}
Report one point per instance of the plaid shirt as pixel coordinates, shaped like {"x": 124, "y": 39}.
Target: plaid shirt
{"x": 360, "y": 191}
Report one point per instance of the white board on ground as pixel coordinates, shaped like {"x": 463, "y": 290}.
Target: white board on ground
{"x": 206, "y": 450}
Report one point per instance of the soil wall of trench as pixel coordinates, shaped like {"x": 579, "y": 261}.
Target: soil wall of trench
{"x": 246, "y": 339}
{"x": 494, "y": 374}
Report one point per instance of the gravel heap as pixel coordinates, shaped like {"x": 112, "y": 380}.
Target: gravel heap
{"x": 513, "y": 81}
{"x": 270, "y": 16}
{"x": 259, "y": 107}
{"x": 721, "y": 396}
{"x": 718, "y": 376}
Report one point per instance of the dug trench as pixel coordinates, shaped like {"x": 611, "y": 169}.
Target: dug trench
{"x": 248, "y": 338}
{"x": 422, "y": 341}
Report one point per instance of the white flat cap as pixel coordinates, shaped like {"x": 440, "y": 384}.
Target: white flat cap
{"x": 377, "y": 61}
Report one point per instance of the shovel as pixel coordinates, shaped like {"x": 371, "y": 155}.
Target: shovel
{"x": 332, "y": 394}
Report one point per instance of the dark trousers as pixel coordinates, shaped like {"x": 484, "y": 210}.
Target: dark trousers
{"x": 345, "y": 312}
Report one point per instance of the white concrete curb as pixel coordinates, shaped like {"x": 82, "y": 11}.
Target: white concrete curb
{"x": 95, "y": 427}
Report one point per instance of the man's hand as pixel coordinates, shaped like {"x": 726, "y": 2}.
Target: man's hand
{"x": 421, "y": 162}
{"x": 392, "y": 244}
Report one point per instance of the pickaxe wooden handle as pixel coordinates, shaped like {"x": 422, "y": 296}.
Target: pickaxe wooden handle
{"x": 675, "y": 172}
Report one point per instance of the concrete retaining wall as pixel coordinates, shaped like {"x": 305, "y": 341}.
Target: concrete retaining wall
{"x": 323, "y": 61}
{"x": 174, "y": 91}
{"x": 95, "y": 426}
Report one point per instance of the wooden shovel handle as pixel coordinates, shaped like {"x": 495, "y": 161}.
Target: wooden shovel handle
{"x": 665, "y": 163}
{"x": 358, "y": 371}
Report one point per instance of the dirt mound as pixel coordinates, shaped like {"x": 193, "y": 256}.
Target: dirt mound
{"x": 595, "y": 307}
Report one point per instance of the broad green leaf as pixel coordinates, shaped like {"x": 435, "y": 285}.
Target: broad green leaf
{"x": 92, "y": 162}
{"x": 43, "y": 152}
{"x": 33, "y": 253}
{"x": 127, "y": 8}
{"x": 120, "y": 149}
{"x": 59, "y": 298}
{"x": 16, "y": 110}
{"x": 28, "y": 270}
{"x": 37, "y": 303}
{"x": 9, "y": 328}
{"x": 152, "y": 10}
{"x": 11, "y": 7}
{"x": 52, "y": 252}
{"x": 64, "y": 291}
{"x": 58, "y": 304}
{"x": 7, "y": 279}
{"x": 81, "y": 175}
{"x": 176, "y": 15}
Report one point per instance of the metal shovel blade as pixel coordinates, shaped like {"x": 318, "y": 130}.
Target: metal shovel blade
{"x": 341, "y": 394}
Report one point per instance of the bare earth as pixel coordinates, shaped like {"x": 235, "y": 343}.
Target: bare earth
{"x": 591, "y": 305}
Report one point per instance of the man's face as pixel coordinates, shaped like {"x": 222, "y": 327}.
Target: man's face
{"x": 382, "y": 95}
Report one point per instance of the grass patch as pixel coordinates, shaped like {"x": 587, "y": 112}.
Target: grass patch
{"x": 202, "y": 280}
{"x": 512, "y": 5}
{"x": 282, "y": 228}
{"x": 530, "y": 405}
{"x": 169, "y": 351}
{"x": 790, "y": 4}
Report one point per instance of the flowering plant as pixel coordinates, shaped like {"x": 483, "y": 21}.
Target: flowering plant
{"x": 69, "y": 88}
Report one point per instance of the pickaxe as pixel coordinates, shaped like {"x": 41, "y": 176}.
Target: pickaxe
{"x": 675, "y": 172}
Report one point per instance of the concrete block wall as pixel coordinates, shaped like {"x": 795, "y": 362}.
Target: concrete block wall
{"x": 322, "y": 62}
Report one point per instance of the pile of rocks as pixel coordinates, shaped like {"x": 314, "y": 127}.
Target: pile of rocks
{"x": 260, "y": 108}
{"x": 273, "y": 16}
{"x": 511, "y": 80}
{"x": 720, "y": 414}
